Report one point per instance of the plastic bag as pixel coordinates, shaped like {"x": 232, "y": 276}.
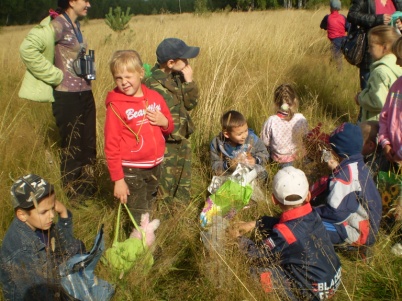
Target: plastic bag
{"x": 122, "y": 256}
{"x": 233, "y": 195}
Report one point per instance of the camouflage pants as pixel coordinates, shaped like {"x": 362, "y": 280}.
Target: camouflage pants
{"x": 175, "y": 181}
{"x": 143, "y": 186}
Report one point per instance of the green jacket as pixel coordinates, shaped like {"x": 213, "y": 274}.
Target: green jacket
{"x": 383, "y": 73}
{"x": 37, "y": 53}
{"x": 180, "y": 97}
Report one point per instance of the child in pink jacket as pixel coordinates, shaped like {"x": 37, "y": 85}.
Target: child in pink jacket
{"x": 390, "y": 133}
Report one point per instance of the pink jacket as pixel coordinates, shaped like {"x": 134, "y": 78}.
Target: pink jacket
{"x": 391, "y": 119}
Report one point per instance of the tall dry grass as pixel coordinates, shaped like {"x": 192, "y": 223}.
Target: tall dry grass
{"x": 243, "y": 57}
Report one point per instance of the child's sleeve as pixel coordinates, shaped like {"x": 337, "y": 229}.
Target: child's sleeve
{"x": 259, "y": 151}
{"x": 113, "y": 131}
{"x": 324, "y": 23}
{"x": 219, "y": 164}
{"x": 31, "y": 52}
{"x": 165, "y": 111}
{"x": 190, "y": 95}
{"x": 266, "y": 133}
{"x": 68, "y": 244}
{"x": 383, "y": 133}
{"x": 372, "y": 98}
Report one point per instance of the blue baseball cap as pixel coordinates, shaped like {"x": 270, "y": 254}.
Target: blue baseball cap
{"x": 172, "y": 49}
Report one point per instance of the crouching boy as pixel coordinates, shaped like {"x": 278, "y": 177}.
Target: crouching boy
{"x": 352, "y": 211}
{"x": 237, "y": 144}
{"x": 33, "y": 246}
{"x": 294, "y": 254}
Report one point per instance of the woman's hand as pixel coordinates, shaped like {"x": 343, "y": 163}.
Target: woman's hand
{"x": 387, "y": 19}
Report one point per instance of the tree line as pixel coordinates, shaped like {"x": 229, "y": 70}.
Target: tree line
{"x": 18, "y": 12}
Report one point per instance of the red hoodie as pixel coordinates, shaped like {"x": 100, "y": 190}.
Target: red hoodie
{"x": 121, "y": 145}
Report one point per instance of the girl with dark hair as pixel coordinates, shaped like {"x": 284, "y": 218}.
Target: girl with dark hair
{"x": 74, "y": 105}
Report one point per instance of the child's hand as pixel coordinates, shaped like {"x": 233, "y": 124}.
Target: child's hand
{"x": 249, "y": 160}
{"x": 241, "y": 228}
{"x": 187, "y": 73}
{"x": 232, "y": 163}
{"x": 389, "y": 153}
{"x": 121, "y": 191}
{"x": 157, "y": 118}
{"x": 60, "y": 209}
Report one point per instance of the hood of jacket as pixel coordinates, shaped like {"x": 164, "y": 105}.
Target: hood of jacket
{"x": 116, "y": 96}
{"x": 388, "y": 60}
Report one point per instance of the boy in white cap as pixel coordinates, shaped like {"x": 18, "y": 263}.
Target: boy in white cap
{"x": 34, "y": 246}
{"x": 293, "y": 252}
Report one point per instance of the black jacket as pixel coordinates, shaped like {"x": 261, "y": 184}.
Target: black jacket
{"x": 362, "y": 13}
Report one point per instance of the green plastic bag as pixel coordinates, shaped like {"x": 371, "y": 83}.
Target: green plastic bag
{"x": 122, "y": 256}
{"x": 389, "y": 186}
{"x": 232, "y": 195}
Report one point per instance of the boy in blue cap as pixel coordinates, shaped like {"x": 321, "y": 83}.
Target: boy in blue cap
{"x": 353, "y": 207}
{"x": 34, "y": 246}
{"x": 172, "y": 77}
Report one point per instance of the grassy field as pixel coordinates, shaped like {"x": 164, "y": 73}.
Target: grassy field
{"x": 243, "y": 57}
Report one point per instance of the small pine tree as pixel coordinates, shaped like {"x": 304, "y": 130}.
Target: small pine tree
{"x": 200, "y": 6}
{"x": 117, "y": 20}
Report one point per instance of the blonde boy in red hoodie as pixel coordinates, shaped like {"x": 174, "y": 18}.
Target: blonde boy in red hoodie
{"x": 137, "y": 119}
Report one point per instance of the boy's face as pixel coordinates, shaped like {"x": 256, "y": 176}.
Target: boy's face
{"x": 129, "y": 82}
{"x": 368, "y": 148}
{"x": 40, "y": 217}
{"x": 178, "y": 64}
{"x": 237, "y": 135}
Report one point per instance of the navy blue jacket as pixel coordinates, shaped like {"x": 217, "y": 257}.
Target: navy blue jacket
{"x": 352, "y": 195}
{"x": 301, "y": 244}
{"x": 29, "y": 268}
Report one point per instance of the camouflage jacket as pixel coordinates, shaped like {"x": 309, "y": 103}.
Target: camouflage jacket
{"x": 180, "y": 97}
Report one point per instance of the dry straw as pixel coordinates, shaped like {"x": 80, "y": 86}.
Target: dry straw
{"x": 243, "y": 58}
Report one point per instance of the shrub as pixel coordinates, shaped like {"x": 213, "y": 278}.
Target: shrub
{"x": 117, "y": 20}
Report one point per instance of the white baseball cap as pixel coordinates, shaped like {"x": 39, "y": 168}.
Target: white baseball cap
{"x": 290, "y": 181}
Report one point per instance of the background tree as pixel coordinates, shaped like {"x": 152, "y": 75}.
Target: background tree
{"x": 15, "y": 12}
